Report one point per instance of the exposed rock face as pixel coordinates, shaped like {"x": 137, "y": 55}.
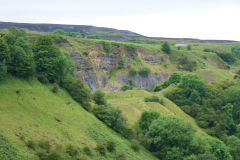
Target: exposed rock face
{"x": 90, "y": 62}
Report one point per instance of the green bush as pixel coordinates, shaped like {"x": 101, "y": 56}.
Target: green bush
{"x": 31, "y": 144}
{"x": 87, "y": 150}
{"x": 126, "y": 87}
{"x": 120, "y": 63}
{"x": 111, "y": 146}
{"x": 99, "y": 97}
{"x": 121, "y": 156}
{"x": 112, "y": 117}
{"x": 135, "y": 145}
{"x": 101, "y": 149}
{"x": 189, "y": 47}
{"x": 107, "y": 46}
{"x": 166, "y": 48}
{"x": 93, "y": 37}
{"x": 55, "y": 88}
{"x": 131, "y": 82}
{"x": 44, "y": 144}
{"x": 146, "y": 119}
{"x": 77, "y": 89}
{"x": 227, "y": 57}
{"x": 132, "y": 71}
{"x": 72, "y": 150}
{"x": 153, "y": 99}
{"x": 144, "y": 71}
{"x": 175, "y": 78}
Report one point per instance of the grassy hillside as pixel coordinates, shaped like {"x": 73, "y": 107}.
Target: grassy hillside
{"x": 29, "y": 111}
{"x": 132, "y": 103}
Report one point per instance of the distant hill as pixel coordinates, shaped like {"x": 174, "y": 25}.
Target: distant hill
{"x": 103, "y": 32}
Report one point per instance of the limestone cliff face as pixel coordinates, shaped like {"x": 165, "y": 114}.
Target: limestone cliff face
{"x": 94, "y": 69}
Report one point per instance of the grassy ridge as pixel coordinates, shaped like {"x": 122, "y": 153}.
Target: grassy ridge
{"x": 29, "y": 110}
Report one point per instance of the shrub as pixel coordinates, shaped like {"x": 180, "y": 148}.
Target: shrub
{"x": 120, "y": 63}
{"x": 135, "y": 145}
{"x": 153, "y": 99}
{"x": 146, "y": 119}
{"x": 101, "y": 149}
{"x": 107, "y": 46}
{"x": 236, "y": 51}
{"x": 227, "y": 57}
{"x": 55, "y": 88}
{"x": 31, "y": 144}
{"x": 206, "y": 157}
{"x": 144, "y": 71}
{"x": 132, "y": 71}
{"x": 99, "y": 97}
{"x": 87, "y": 150}
{"x": 185, "y": 64}
{"x": 111, "y": 146}
{"x": 189, "y": 47}
{"x": 44, "y": 144}
{"x": 72, "y": 151}
{"x": 93, "y": 37}
{"x": 111, "y": 116}
{"x": 77, "y": 89}
{"x": 131, "y": 82}
{"x": 126, "y": 87}
{"x": 175, "y": 78}
{"x": 121, "y": 156}
{"x": 166, "y": 48}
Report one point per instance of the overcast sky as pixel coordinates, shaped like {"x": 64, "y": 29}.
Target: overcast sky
{"x": 204, "y": 19}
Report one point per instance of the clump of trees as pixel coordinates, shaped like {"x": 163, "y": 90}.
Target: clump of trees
{"x": 166, "y": 48}
{"x": 144, "y": 71}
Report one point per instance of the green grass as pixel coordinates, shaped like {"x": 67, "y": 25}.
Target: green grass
{"x": 132, "y": 104}
{"x": 28, "y": 110}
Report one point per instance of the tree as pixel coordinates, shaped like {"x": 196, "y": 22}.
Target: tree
{"x": 50, "y": 61}
{"x": 146, "y": 118}
{"x": 21, "y": 63}
{"x": 168, "y": 132}
{"x": 166, "y": 48}
{"x": 175, "y": 78}
{"x": 120, "y": 63}
{"x": 77, "y": 89}
{"x": 99, "y": 97}
{"x": 4, "y": 56}
{"x": 144, "y": 71}
{"x": 112, "y": 117}
{"x": 227, "y": 111}
{"x": 189, "y": 47}
{"x": 132, "y": 71}
{"x": 233, "y": 144}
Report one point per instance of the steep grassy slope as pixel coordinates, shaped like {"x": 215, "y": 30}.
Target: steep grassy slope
{"x": 28, "y": 110}
{"x": 132, "y": 104}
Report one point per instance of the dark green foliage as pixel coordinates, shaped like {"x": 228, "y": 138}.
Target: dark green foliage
{"x": 135, "y": 145}
{"x": 87, "y": 150}
{"x": 59, "y": 32}
{"x": 55, "y": 88}
{"x": 218, "y": 149}
{"x": 146, "y": 119}
{"x": 206, "y": 157}
{"x": 31, "y": 144}
{"x": 126, "y": 87}
{"x": 227, "y": 111}
{"x": 21, "y": 62}
{"x": 99, "y": 97}
{"x": 174, "y": 153}
{"x": 166, "y": 48}
{"x": 132, "y": 71}
{"x": 93, "y": 37}
{"x": 153, "y": 99}
{"x": 185, "y": 64}
{"x": 44, "y": 144}
{"x": 189, "y": 47}
{"x": 131, "y": 82}
{"x": 208, "y": 50}
{"x": 101, "y": 149}
{"x": 50, "y": 62}
{"x": 236, "y": 51}
{"x": 121, "y": 156}
{"x": 175, "y": 78}
{"x": 4, "y": 56}
{"x": 159, "y": 87}
{"x": 70, "y": 34}
{"x": 112, "y": 117}
{"x": 233, "y": 144}
{"x": 8, "y": 151}
{"x": 227, "y": 57}
{"x": 72, "y": 150}
{"x": 120, "y": 63}
{"x": 77, "y": 89}
{"x": 144, "y": 71}
{"x": 111, "y": 146}
{"x": 168, "y": 132}
{"x": 238, "y": 130}
{"x": 107, "y": 46}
